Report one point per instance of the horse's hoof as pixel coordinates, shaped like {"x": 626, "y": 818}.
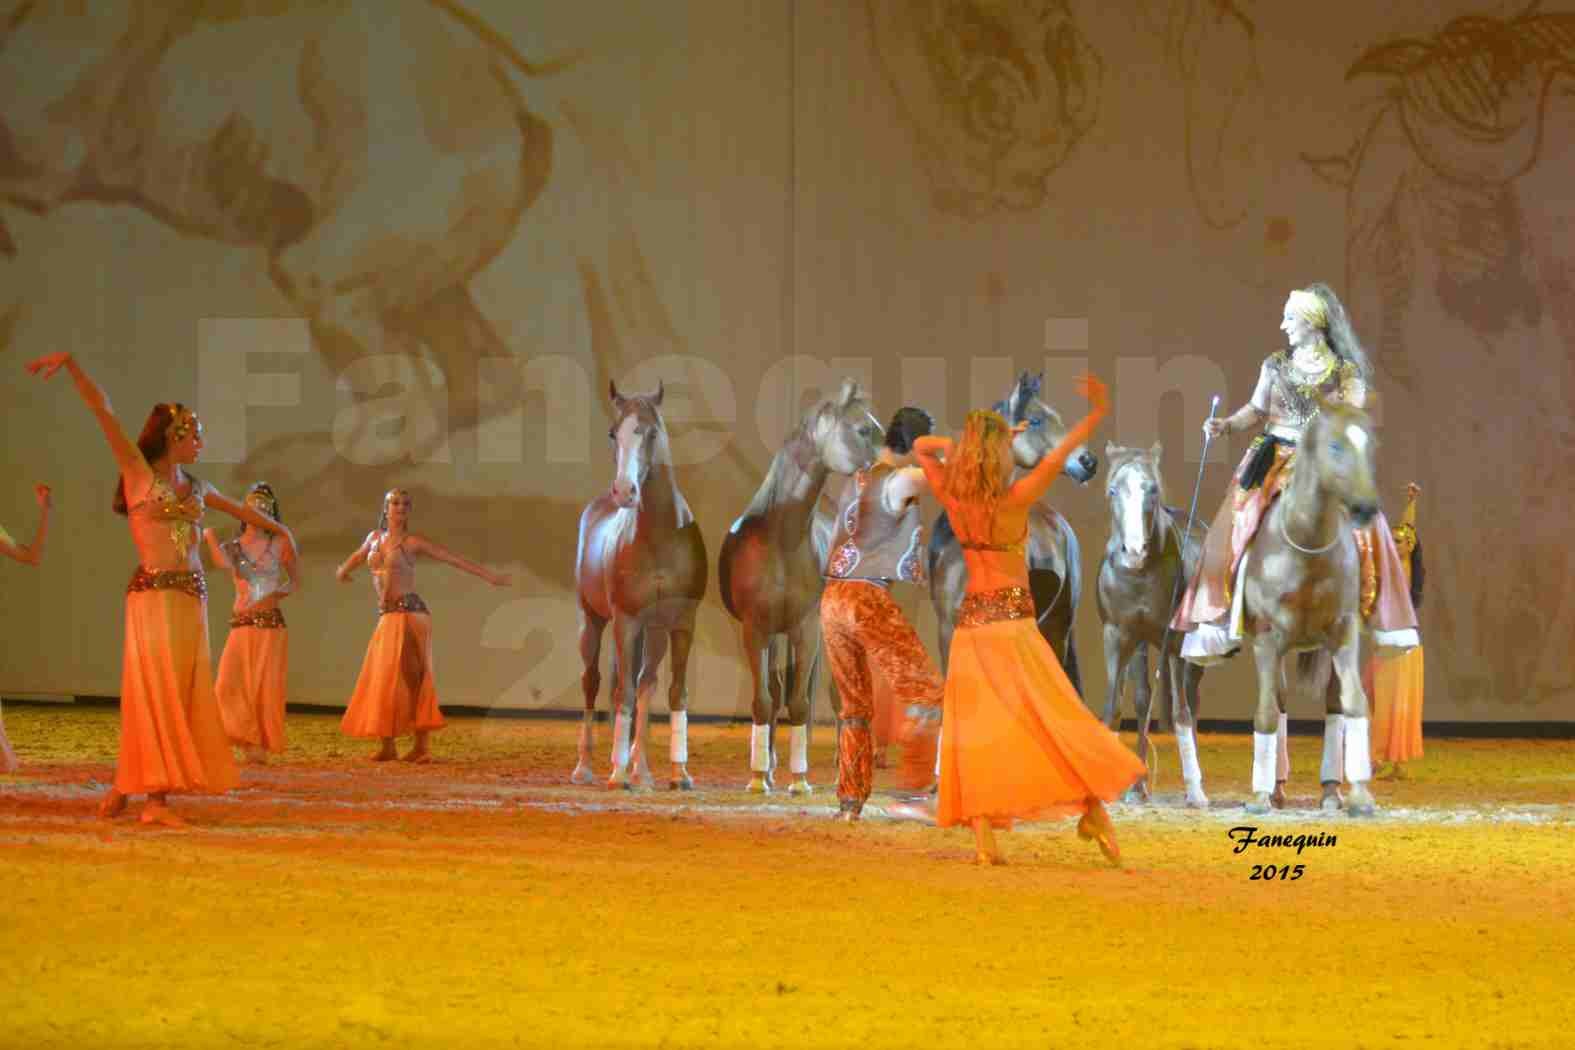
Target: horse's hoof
{"x": 1259, "y": 803}
{"x": 1359, "y": 802}
{"x": 1331, "y": 801}
{"x": 686, "y": 784}
{"x": 1134, "y": 795}
{"x": 1277, "y": 798}
{"x": 758, "y": 785}
{"x": 618, "y": 783}
{"x": 1196, "y": 799}
{"x": 582, "y": 775}
{"x": 800, "y": 787}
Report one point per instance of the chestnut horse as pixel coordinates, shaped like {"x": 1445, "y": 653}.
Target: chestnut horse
{"x": 641, "y": 564}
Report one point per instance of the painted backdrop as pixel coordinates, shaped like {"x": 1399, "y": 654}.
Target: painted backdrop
{"x": 410, "y": 241}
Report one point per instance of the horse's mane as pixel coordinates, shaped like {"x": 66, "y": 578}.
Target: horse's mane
{"x": 766, "y": 496}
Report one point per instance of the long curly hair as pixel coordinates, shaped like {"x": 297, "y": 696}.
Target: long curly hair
{"x": 1338, "y": 330}
{"x": 974, "y": 479}
{"x": 153, "y": 441}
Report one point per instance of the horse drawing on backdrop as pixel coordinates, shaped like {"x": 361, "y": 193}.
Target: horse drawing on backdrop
{"x": 641, "y": 565}
{"x": 1301, "y": 591}
{"x": 770, "y": 571}
{"x": 1148, "y": 552}
{"x": 1054, "y": 570}
{"x": 268, "y": 127}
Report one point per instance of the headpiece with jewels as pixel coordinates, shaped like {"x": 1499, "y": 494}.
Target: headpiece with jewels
{"x": 183, "y": 421}
{"x": 1309, "y": 307}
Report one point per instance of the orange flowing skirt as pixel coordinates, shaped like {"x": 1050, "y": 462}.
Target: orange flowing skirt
{"x": 250, "y": 686}
{"x": 171, "y": 736}
{"x": 1016, "y": 740}
{"x": 8, "y": 762}
{"x": 1396, "y": 692}
{"x": 396, "y": 694}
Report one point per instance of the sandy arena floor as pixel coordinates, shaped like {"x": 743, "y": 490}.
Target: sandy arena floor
{"x": 483, "y": 901}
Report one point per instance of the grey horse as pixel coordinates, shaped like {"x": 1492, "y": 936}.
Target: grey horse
{"x": 770, "y": 572}
{"x": 1300, "y": 590}
{"x": 640, "y": 565}
{"x": 1148, "y": 549}
{"x": 1054, "y": 567}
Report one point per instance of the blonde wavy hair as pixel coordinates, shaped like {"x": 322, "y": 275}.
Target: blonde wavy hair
{"x": 973, "y": 470}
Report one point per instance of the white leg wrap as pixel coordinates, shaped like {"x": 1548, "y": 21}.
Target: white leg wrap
{"x": 1333, "y": 747}
{"x": 798, "y": 755}
{"x": 1263, "y": 747}
{"x": 1282, "y": 744}
{"x": 1358, "y": 760}
{"x": 585, "y": 734}
{"x": 938, "y": 736}
{"x": 1187, "y": 745}
{"x": 678, "y": 743}
{"x": 620, "y": 750}
{"x": 759, "y": 749}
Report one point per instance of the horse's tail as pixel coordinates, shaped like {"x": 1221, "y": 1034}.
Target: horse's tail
{"x": 495, "y": 40}
{"x": 941, "y": 536}
{"x": 724, "y": 574}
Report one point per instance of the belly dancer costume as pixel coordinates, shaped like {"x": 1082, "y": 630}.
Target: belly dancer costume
{"x": 395, "y": 694}
{"x": 1395, "y": 683}
{"x": 865, "y": 634}
{"x": 1018, "y": 743}
{"x": 255, "y": 662}
{"x": 171, "y": 735}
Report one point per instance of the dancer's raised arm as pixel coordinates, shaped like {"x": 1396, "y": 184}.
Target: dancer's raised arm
{"x": 1027, "y": 489}
{"x": 930, "y": 452}
{"x": 212, "y": 497}
{"x": 216, "y": 549}
{"x": 32, "y": 553}
{"x": 433, "y": 549}
{"x": 128, "y": 457}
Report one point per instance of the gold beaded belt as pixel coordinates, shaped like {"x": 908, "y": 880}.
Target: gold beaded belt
{"x": 168, "y": 580}
{"x": 1008, "y": 603}
{"x": 410, "y": 603}
{"x": 269, "y": 618}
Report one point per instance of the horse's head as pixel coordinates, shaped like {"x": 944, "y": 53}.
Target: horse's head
{"x": 1340, "y": 446}
{"x": 847, "y": 435}
{"x": 1136, "y": 499}
{"x": 639, "y": 440}
{"x": 1045, "y": 430}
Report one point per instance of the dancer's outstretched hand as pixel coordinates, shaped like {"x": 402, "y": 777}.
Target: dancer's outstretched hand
{"x": 1094, "y": 391}
{"x": 501, "y": 580}
{"x": 49, "y": 364}
{"x": 42, "y": 494}
{"x": 1413, "y": 490}
{"x": 1215, "y": 426}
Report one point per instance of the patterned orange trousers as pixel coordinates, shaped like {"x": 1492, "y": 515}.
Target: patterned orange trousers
{"x": 865, "y": 634}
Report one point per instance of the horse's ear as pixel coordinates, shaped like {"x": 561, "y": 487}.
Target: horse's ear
{"x": 657, "y": 400}
{"x": 1111, "y": 448}
{"x": 1035, "y": 384}
{"x": 849, "y": 391}
{"x": 1155, "y": 449}
{"x": 612, "y": 391}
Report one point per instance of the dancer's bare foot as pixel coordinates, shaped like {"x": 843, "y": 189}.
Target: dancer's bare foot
{"x": 986, "y": 859}
{"x": 386, "y": 753}
{"x": 160, "y": 814}
{"x": 257, "y": 756}
{"x": 418, "y": 756}
{"x": 1277, "y": 797}
{"x": 1096, "y": 825}
{"x": 113, "y": 805}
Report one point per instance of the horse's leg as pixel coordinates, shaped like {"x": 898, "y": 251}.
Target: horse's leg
{"x": 653, "y": 647}
{"x": 1322, "y": 682}
{"x": 1142, "y": 702}
{"x": 1115, "y": 666}
{"x": 1183, "y": 677}
{"x": 797, "y": 701}
{"x": 678, "y": 709}
{"x": 778, "y": 690}
{"x": 1069, "y": 658}
{"x": 758, "y": 648}
{"x": 627, "y": 636}
{"x": 1266, "y": 651}
{"x": 591, "y": 627}
{"x": 1353, "y": 704}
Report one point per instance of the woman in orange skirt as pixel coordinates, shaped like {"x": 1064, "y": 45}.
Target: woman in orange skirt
{"x": 1395, "y": 682}
{"x": 1017, "y": 741}
{"x": 171, "y": 738}
{"x": 395, "y": 694}
{"x": 256, "y": 659}
{"x": 30, "y": 554}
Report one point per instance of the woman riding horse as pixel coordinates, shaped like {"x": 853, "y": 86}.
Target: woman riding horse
{"x": 1325, "y": 362}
